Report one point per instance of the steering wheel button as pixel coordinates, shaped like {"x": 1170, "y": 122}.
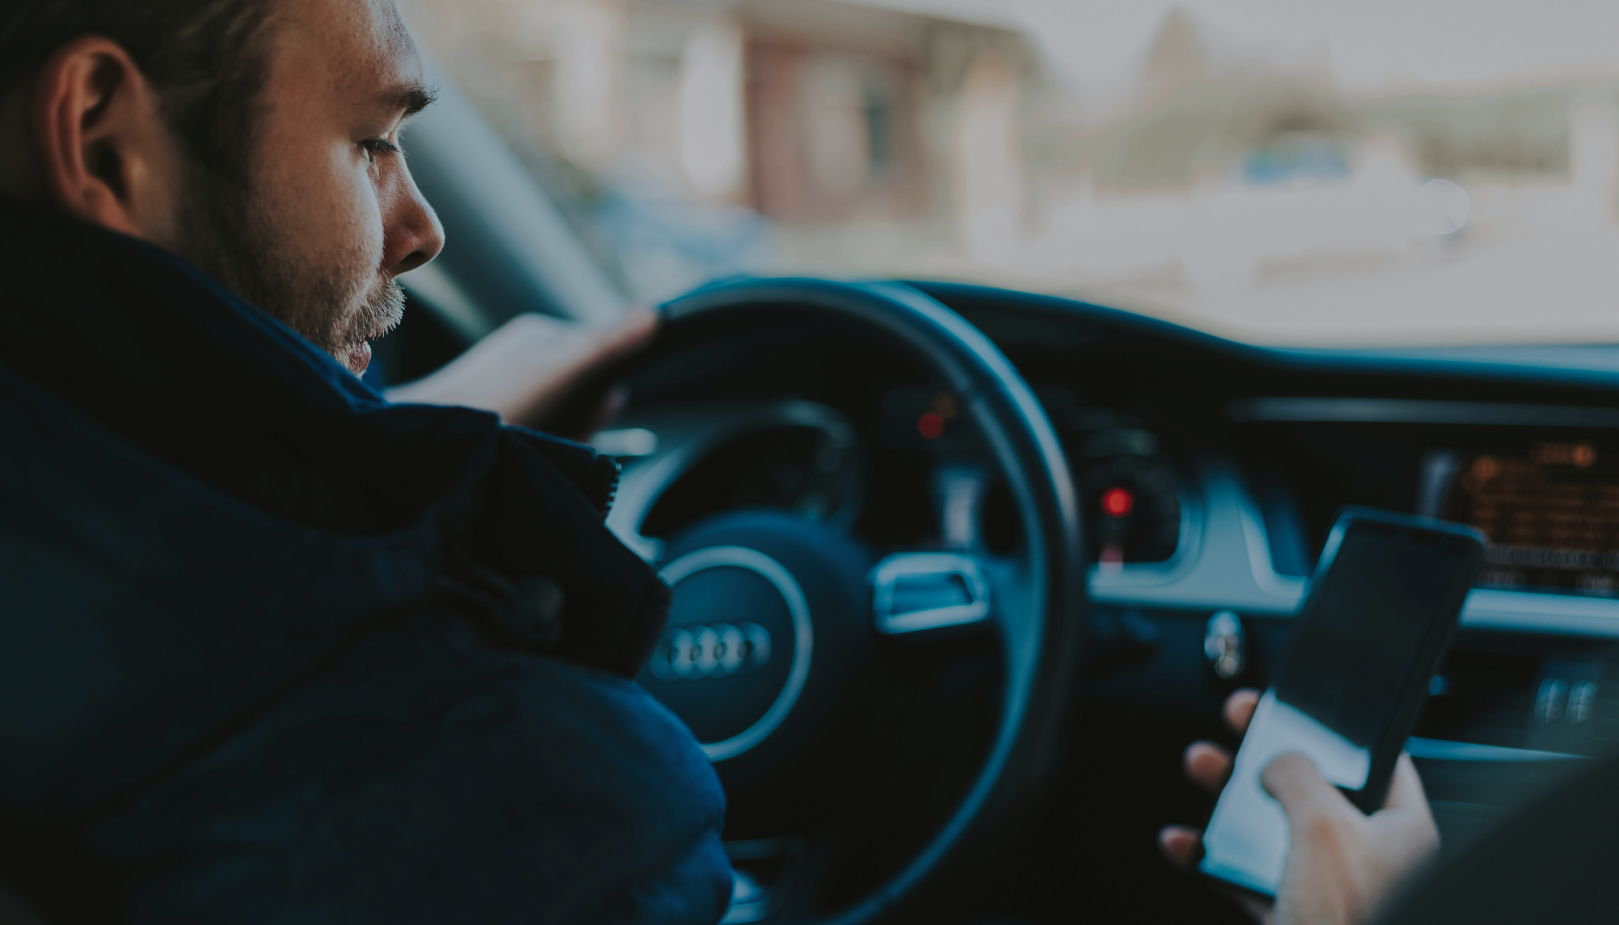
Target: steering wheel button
{"x": 912, "y": 592}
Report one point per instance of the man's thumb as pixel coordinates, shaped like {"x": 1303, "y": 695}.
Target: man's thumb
{"x": 1295, "y": 783}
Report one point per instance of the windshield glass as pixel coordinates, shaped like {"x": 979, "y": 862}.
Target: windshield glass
{"x": 1375, "y": 172}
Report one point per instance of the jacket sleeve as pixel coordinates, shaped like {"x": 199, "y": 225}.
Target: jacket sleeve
{"x": 432, "y": 777}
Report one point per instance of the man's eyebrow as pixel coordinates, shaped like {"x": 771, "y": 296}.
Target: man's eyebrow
{"x": 414, "y": 99}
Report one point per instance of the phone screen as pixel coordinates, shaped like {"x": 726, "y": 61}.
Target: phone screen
{"x": 1359, "y": 652}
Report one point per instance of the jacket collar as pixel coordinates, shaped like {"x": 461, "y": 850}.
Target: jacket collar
{"x": 184, "y": 373}
{"x": 199, "y": 508}
{"x": 150, "y": 347}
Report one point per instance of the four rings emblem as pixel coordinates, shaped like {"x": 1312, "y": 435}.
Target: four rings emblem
{"x": 692, "y": 653}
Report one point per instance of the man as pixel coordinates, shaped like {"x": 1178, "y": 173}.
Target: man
{"x": 270, "y": 648}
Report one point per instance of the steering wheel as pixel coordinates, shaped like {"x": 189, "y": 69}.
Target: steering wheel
{"x": 805, "y": 605}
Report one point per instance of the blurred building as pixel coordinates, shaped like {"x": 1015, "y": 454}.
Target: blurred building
{"x": 826, "y": 118}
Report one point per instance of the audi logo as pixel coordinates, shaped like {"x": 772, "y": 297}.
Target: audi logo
{"x": 692, "y": 653}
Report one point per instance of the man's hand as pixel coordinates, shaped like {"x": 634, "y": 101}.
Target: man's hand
{"x": 533, "y": 367}
{"x": 1341, "y": 863}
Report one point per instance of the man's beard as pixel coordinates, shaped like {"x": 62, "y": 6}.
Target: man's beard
{"x": 339, "y": 306}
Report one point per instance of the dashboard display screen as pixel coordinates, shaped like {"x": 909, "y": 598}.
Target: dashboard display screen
{"x": 1551, "y": 513}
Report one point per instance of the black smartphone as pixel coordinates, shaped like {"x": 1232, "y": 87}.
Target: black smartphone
{"x": 1381, "y": 611}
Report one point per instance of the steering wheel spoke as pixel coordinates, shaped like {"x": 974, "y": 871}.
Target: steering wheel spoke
{"x": 922, "y": 594}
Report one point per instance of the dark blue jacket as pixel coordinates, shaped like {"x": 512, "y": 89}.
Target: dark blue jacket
{"x": 274, "y": 650}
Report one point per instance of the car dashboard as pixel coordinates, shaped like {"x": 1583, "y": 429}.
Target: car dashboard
{"x": 1207, "y": 473}
{"x": 1267, "y": 445}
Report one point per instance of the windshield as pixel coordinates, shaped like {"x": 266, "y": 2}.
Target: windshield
{"x": 1375, "y": 172}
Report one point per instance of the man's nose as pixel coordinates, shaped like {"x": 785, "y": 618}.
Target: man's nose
{"x": 412, "y": 232}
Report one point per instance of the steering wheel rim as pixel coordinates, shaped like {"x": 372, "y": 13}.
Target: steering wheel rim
{"x": 1042, "y": 646}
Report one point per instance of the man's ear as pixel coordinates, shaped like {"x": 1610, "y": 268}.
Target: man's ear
{"x": 105, "y": 152}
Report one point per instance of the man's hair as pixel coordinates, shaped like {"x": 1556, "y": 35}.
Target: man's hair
{"x": 208, "y": 62}
{"x": 206, "y": 59}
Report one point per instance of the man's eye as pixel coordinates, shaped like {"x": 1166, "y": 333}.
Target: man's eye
{"x": 375, "y": 146}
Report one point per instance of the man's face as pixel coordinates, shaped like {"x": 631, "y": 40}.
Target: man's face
{"x": 331, "y": 214}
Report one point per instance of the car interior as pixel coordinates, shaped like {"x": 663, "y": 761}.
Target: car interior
{"x": 1034, "y": 543}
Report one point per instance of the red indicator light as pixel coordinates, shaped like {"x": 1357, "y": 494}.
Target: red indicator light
{"x": 930, "y": 426}
{"x": 1118, "y": 502}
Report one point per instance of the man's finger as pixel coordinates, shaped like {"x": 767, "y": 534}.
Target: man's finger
{"x": 1239, "y": 709}
{"x": 628, "y": 333}
{"x": 1299, "y": 787}
{"x": 1183, "y": 846}
{"x": 1208, "y": 765}
{"x": 1405, "y": 790}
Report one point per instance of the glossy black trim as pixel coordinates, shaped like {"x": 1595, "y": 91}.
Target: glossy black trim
{"x": 1582, "y": 365}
